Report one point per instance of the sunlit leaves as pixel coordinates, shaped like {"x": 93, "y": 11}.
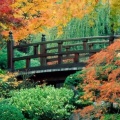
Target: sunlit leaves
{"x": 37, "y": 15}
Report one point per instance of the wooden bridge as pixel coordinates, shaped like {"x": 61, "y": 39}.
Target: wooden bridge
{"x": 57, "y": 58}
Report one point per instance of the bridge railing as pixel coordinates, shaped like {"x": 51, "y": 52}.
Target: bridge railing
{"x": 63, "y": 50}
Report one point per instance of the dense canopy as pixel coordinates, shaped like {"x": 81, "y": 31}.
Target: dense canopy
{"x": 25, "y": 17}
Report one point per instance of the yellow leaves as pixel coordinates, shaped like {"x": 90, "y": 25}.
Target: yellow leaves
{"x": 50, "y": 13}
{"x": 6, "y": 77}
{"x": 10, "y": 78}
{"x": 3, "y": 26}
{"x": 20, "y": 34}
{"x": 115, "y": 13}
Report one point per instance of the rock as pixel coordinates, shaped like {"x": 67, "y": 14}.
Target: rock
{"x": 115, "y": 105}
{"x": 75, "y": 116}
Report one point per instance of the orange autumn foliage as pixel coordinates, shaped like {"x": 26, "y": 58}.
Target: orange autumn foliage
{"x": 102, "y": 81}
{"x": 102, "y": 77}
{"x": 37, "y": 15}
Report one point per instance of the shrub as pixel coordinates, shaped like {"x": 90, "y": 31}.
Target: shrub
{"x": 101, "y": 79}
{"x": 8, "y": 82}
{"x": 3, "y": 59}
{"x": 43, "y": 103}
{"x": 74, "y": 79}
{"x": 112, "y": 117}
{"x": 9, "y": 112}
{"x": 75, "y": 82}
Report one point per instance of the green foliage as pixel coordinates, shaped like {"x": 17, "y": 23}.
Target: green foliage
{"x": 43, "y": 103}
{"x": 9, "y": 82}
{"x": 22, "y": 63}
{"x": 94, "y": 24}
{"x": 74, "y": 79}
{"x": 6, "y": 84}
{"x": 3, "y": 59}
{"x": 103, "y": 71}
{"x": 19, "y": 64}
{"x": 9, "y": 112}
{"x": 2, "y": 71}
{"x": 112, "y": 117}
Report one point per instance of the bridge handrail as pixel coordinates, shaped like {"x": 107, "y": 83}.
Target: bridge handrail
{"x": 55, "y": 54}
{"x": 87, "y": 48}
{"x": 67, "y": 40}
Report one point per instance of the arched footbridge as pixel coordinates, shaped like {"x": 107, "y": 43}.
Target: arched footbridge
{"x": 58, "y": 58}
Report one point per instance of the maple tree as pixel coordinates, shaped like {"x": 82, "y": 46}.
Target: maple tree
{"x": 35, "y": 15}
{"x": 7, "y": 19}
{"x": 103, "y": 74}
{"x": 102, "y": 79}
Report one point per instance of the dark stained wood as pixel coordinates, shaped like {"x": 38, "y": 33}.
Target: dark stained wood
{"x": 111, "y": 40}
{"x": 64, "y": 52}
{"x": 55, "y": 67}
{"x": 66, "y": 40}
{"x": 27, "y": 63}
{"x": 67, "y": 49}
{"x": 35, "y": 49}
{"x": 56, "y": 54}
{"x": 91, "y": 46}
{"x": 59, "y": 51}
{"x": 43, "y": 51}
{"x": 85, "y": 47}
{"x": 76, "y": 58}
{"x": 10, "y": 55}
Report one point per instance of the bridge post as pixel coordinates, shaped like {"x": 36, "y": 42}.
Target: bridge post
{"x": 67, "y": 49}
{"x": 76, "y": 58}
{"x": 59, "y": 51}
{"x": 90, "y": 48}
{"x": 111, "y": 39}
{"x": 43, "y": 51}
{"x": 85, "y": 47}
{"x": 10, "y": 53}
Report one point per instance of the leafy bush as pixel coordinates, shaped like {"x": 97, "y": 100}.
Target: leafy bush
{"x": 112, "y": 117}
{"x": 7, "y": 82}
{"x": 75, "y": 82}
{"x": 3, "y": 59}
{"x": 101, "y": 79}
{"x": 9, "y": 112}
{"x": 74, "y": 79}
{"x": 43, "y": 103}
